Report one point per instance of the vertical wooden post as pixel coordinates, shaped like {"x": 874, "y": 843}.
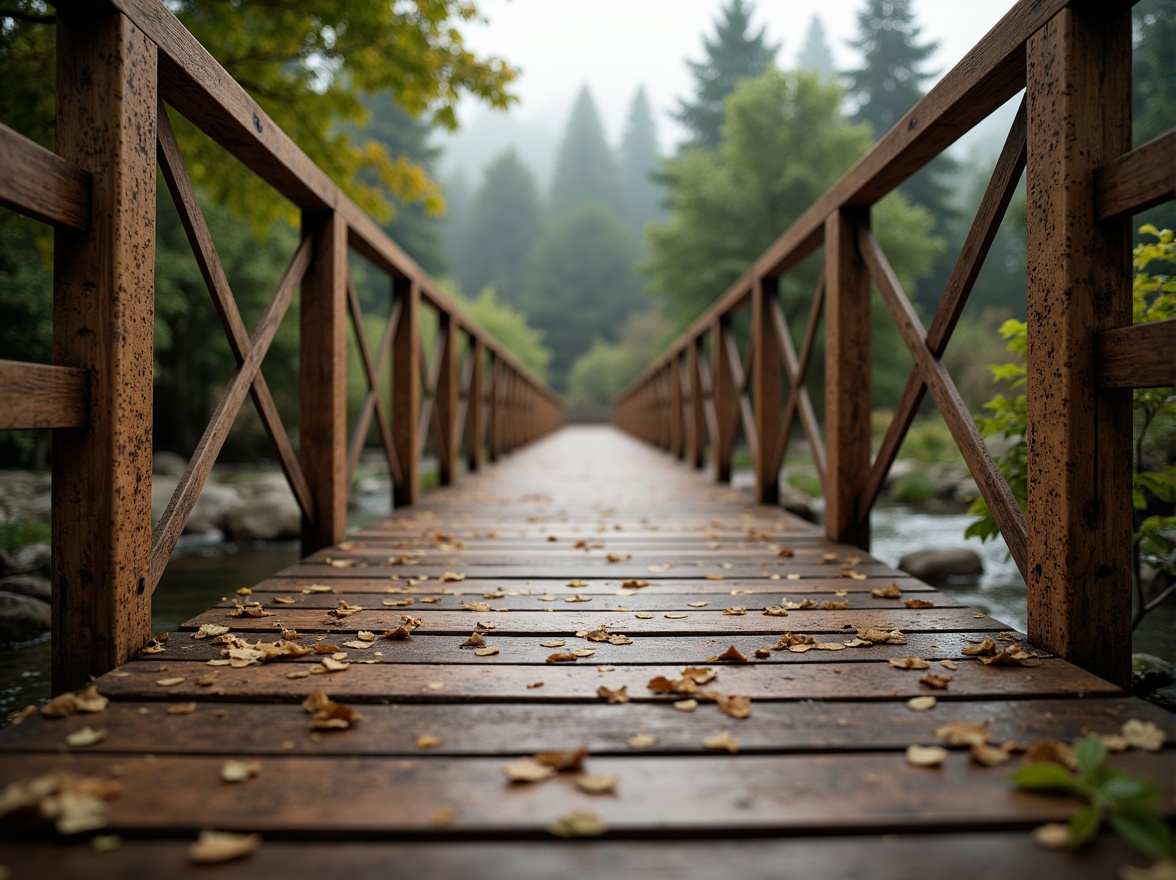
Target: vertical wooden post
{"x": 767, "y": 389}
{"x": 847, "y": 378}
{"x": 406, "y": 392}
{"x": 677, "y": 428}
{"x": 726, "y": 400}
{"x": 322, "y": 426}
{"x": 1079, "y": 436}
{"x": 103, "y": 321}
{"x": 474, "y": 414}
{"x": 697, "y": 406}
{"x": 494, "y": 429}
{"x": 445, "y": 399}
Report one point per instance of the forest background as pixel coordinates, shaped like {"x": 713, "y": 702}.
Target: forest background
{"x": 583, "y": 257}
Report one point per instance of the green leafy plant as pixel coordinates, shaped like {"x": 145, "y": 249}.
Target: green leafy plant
{"x": 1122, "y": 800}
{"x": 1154, "y": 481}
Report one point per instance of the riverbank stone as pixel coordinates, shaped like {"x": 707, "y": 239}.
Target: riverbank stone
{"x": 939, "y": 567}
{"x": 22, "y": 618}
{"x": 27, "y": 585}
{"x": 269, "y": 517}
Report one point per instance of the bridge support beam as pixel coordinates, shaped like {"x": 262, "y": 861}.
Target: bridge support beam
{"x": 847, "y": 378}
{"x": 103, "y": 322}
{"x": 1079, "y": 437}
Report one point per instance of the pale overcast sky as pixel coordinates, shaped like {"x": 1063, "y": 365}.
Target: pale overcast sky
{"x": 616, "y": 45}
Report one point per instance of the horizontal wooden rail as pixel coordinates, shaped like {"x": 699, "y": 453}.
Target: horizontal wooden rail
{"x": 1138, "y": 356}
{"x": 43, "y": 396}
{"x": 1137, "y": 180}
{"x": 40, "y": 184}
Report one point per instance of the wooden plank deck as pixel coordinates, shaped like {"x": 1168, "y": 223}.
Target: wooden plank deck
{"x": 819, "y": 787}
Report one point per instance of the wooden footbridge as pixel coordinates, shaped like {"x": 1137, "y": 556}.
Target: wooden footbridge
{"x": 588, "y": 659}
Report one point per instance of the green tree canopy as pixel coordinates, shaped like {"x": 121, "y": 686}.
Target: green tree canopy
{"x": 585, "y": 168}
{"x": 501, "y": 228}
{"x": 507, "y": 325}
{"x": 1154, "y": 78}
{"x": 733, "y": 54}
{"x": 600, "y": 373}
{"x": 639, "y": 165}
{"x": 580, "y": 282}
{"x": 307, "y": 64}
{"x": 815, "y": 56}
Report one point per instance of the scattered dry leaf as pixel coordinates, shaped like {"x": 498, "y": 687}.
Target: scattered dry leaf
{"x": 181, "y": 708}
{"x": 1143, "y": 735}
{"x": 721, "y": 740}
{"x": 938, "y": 682}
{"x": 776, "y": 611}
{"x": 635, "y": 584}
{"x": 427, "y": 741}
{"x": 527, "y": 770}
{"x": 926, "y": 756}
{"x": 732, "y": 654}
{"x": 1052, "y": 836}
{"x": 86, "y": 736}
{"x": 909, "y": 663}
{"x": 442, "y": 816}
{"x": 239, "y": 771}
{"x": 561, "y": 657}
{"x": 452, "y": 577}
{"x": 1054, "y": 751}
{"x": 921, "y": 704}
{"x": 597, "y": 783}
{"x": 614, "y": 695}
{"x": 485, "y": 652}
{"x": 641, "y": 741}
{"x": 891, "y": 592}
{"x": 213, "y": 847}
{"x": 686, "y": 705}
{"x": 676, "y": 616}
{"x": 989, "y": 756}
{"x": 564, "y": 761}
{"x": 733, "y": 705}
{"x": 170, "y": 682}
{"x": 553, "y": 643}
{"x": 476, "y": 640}
{"x": 578, "y": 823}
{"x": 210, "y": 630}
{"x": 735, "y": 611}
{"x": 918, "y": 603}
{"x": 960, "y": 733}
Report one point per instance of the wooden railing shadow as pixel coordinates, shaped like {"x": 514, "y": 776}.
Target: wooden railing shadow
{"x": 120, "y": 66}
{"x": 1072, "y": 138}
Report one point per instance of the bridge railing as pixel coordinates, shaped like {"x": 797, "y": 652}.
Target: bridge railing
{"x": 120, "y": 66}
{"x": 1072, "y": 138}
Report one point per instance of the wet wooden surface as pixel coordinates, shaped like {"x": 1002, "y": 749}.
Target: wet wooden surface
{"x": 819, "y": 786}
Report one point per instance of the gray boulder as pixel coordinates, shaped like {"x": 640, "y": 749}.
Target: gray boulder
{"x": 32, "y": 558}
{"x": 162, "y": 488}
{"x": 22, "y": 618}
{"x": 169, "y": 464}
{"x": 211, "y": 509}
{"x": 27, "y": 585}
{"x": 937, "y": 567}
{"x": 269, "y": 517}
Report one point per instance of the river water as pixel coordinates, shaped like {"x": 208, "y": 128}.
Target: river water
{"x": 201, "y": 574}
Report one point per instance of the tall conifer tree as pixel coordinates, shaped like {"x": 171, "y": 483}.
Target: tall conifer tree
{"x": 733, "y": 54}
{"x": 639, "y": 164}
{"x": 585, "y": 169}
{"x": 502, "y": 226}
{"x": 815, "y": 55}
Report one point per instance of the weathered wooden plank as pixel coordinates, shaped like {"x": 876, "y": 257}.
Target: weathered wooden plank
{"x": 509, "y": 729}
{"x": 103, "y": 323}
{"x": 40, "y": 184}
{"x": 719, "y": 795}
{"x": 1079, "y": 436}
{"x": 506, "y": 682}
{"x": 968, "y": 856}
{"x": 43, "y": 396}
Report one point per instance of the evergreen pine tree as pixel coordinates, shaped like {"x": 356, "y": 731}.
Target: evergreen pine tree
{"x": 890, "y": 81}
{"x": 732, "y": 55}
{"x": 815, "y": 55}
{"x": 585, "y": 169}
{"x": 639, "y": 164}
{"x": 502, "y": 226}
{"x": 458, "y": 200}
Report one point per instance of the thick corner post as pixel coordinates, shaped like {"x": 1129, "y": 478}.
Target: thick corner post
{"x": 103, "y": 322}
{"x": 847, "y": 377}
{"x": 322, "y": 425}
{"x": 1079, "y": 436}
{"x": 406, "y": 392}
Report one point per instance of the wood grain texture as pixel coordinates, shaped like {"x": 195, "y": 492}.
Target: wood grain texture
{"x": 43, "y": 396}
{"x": 1079, "y": 436}
{"x": 1136, "y": 356}
{"x": 1137, "y": 180}
{"x": 103, "y": 323}
{"x": 847, "y": 378}
{"x": 40, "y": 184}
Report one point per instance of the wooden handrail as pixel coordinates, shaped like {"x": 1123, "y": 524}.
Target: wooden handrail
{"x": 122, "y": 61}
{"x": 1079, "y": 311}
